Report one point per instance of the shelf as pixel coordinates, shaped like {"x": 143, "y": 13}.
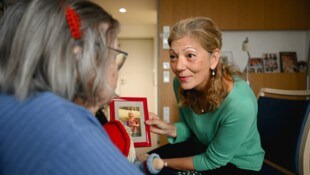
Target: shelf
{"x": 288, "y": 81}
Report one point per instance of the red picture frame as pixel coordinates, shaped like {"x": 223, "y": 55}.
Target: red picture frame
{"x": 133, "y": 112}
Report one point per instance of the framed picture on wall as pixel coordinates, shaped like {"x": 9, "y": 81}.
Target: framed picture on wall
{"x": 133, "y": 112}
{"x": 256, "y": 65}
{"x": 270, "y": 61}
{"x": 288, "y": 61}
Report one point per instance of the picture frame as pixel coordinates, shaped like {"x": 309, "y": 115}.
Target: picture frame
{"x": 270, "y": 63}
{"x": 133, "y": 112}
{"x": 256, "y": 65}
{"x": 302, "y": 66}
{"x": 288, "y": 61}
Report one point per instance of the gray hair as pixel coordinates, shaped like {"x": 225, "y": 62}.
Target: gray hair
{"x": 8, "y": 26}
{"x": 43, "y": 58}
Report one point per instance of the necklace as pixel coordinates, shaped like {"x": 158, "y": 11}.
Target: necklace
{"x": 201, "y": 108}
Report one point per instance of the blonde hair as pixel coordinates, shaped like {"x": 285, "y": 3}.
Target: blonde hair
{"x": 42, "y": 56}
{"x": 210, "y": 38}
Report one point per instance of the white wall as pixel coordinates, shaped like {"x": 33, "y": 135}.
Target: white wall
{"x": 138, "y": 31}
{"x": 265, "y": 42}
{"x": 144, "y": 32}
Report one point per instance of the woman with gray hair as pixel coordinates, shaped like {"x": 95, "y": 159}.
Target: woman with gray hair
{"x": 63, "y": 52}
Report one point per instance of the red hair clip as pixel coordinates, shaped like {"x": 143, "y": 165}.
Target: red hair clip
{"x": 73, "y": 20}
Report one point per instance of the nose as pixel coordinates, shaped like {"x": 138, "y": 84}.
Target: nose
{"x": 180, "y": 64}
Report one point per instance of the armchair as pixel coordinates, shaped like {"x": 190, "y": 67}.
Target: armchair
{"x": 283, "y": 123}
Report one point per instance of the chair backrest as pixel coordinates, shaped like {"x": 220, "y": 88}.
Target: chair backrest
{"x": 284, "y": 128}
{"x": 304, "y": 149}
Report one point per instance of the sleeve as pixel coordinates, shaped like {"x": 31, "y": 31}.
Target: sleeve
{"x": 182, "y": 129}
{"x": 183, "y": 133}
{"x": 232, "y": 132}
{"x": 90, "y": 151}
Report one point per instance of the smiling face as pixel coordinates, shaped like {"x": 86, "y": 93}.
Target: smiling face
{"x": 191, "y": 63}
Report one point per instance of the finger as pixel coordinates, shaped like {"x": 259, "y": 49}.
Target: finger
{"x": 152, "y": 122}
{"x": 142, "y": 157}
{"x": 153, "y": 116}
{"x": 157, "y": 130}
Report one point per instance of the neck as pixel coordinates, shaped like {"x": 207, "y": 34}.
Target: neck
{"x": 92, "y": 108}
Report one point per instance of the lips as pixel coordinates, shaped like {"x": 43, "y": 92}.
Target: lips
{"x": 184, "y": 78}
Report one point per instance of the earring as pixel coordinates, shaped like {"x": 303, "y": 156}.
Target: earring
{"x": 213, "y": 72}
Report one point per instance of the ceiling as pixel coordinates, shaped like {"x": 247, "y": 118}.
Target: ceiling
{"x": 139, "y": 12}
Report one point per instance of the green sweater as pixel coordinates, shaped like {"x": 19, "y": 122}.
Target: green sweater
{"x": 230, "y": 133}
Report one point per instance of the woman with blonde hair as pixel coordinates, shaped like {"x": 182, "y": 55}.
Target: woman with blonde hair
{"x": 217, "y": 132}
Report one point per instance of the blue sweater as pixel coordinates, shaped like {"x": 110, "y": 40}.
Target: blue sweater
{"x": 46, "y": 134}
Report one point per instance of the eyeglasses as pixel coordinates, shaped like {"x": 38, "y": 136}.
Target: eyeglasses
{"x": 120, "y": 57}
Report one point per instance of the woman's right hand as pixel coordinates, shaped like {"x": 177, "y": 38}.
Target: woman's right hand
{"x": 158, "y": 126}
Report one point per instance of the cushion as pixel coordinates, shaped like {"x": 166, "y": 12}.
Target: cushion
{"x": 118, "y": 135}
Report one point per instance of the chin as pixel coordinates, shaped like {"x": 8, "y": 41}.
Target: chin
{"x": 186, "y": 86}
{"x": 106, "y": 99}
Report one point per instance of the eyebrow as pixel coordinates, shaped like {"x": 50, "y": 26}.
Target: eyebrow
{"x": 186, "y": 48}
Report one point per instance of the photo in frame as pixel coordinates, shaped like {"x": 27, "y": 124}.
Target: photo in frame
{"x": 288, "y": 61}
{"x": 270, "y": 61}
{"x": 256, "y": 65}
{"x": 133, "y": 112}
{"x": 302, "y": 66}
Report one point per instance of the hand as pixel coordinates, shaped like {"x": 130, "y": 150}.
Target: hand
{"x": 158, "y": 163}
{"x": 142, "y": 157}
{"x": 158, "y": 126}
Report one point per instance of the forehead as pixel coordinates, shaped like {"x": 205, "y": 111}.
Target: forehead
{"x": 184, "y": 42}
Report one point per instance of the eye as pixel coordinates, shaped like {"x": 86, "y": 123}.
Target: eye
{"x": 172, "y": 57}
{"x": 190, "y": 55}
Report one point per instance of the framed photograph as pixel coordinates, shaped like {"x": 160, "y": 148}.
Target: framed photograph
{"x": 133, "y": 112}
{"x": 288, "y": 61}
{"x": 270, "y": 63}
{"x": 256, "y": 65}
{"x": 302, "y": 66}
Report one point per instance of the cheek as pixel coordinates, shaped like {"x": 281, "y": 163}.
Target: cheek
{"x": 107, "y": 95}
{"x": 113, "y": 76}
{"x": 173, "y": 67}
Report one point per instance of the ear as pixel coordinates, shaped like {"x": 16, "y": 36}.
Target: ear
{"x": 215, "y": 58}
{"x": 77, "y": 50}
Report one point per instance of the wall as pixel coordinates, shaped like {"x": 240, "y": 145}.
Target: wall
{"x": 138, "y": 31}
{"x": 144, "y": 32}
{"x": 265, "y": 42}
